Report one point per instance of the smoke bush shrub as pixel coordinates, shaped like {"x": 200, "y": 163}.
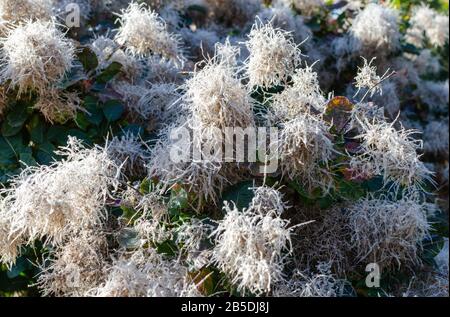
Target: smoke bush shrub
{"x": 93, "y": 203}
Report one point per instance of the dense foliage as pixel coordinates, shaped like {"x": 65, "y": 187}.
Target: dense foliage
{"x": 93, "y": 204}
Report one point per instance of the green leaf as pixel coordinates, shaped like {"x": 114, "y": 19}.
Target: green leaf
{"x": 109, "y": 73}
{"x": 95, "y": 114}
{"x": 82, "y": 121}
{"x": 409, "y": 48}
{"x": 26, "y": 157}
{"x": 43, "y": 157}
{"x": 36, "y": 128}
{"x": 57, "y": 134}
{"x": 128, "y": 212}
{"x": 113, "y": 110}
{"x": 60, "y": 135}
{"x": 94, "y": 133}
{"x": 97, "y": 87}
{"x": 439, "y": 223}
{"x": 18, "y": 114}
{"x": 314, "y": 25}
{"x": 241, "y": 194}
{"x": 168, "y": 248}
{"x": 16, "y": 143}
{"x": 7, "y": 163}
{"x": 374, "y": 184}
{"x": 350, "y": 190}
{"x": 20, "y": 266}
{"x": 8, "y": 130}
{"x": 47, "y": 148}
{"x": 12, "y": 285}
{"x": 179, "y": 201}
{"x": 88, "y": 59}
{"x": 90, "y": 102}
{"x": 128, "y": 238}
{"x": 79, "y": 135}
{"x": 147, "y": 185}
{"x": 6, "y": 149}
{"x": 325, "y": 202}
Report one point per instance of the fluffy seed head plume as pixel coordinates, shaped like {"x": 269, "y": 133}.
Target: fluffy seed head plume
{"x": 375, "y": 30}
{"x": 201, "y": 177}
{"x": 57, "y": 106}
{"x": 108, "y": 51}
{"x": 433, "y": 284}
{"x": 304, "y": 145}
{"x": 303, "y": 96}
{"x": 442, "y": 258}
{"x": 306, "y": 81}
{"x": 150, "y": 226}
{"x": 227, "y": 53}
{"x": 151, "y": 231}
{"x": 132, "y": 95}
{"x": 422, "y": 17}
{"x": 435, "y": 138}
{"x": 216, "y": 98}
{"x": 387, "y": 232}
{"x": 391, "y": 153}
{"x": 53, "y": 201}
{"x": 282, "y": 17}
{"x": 267, "y": 200}
{"x": 306, "y": 7}
{"x": 130, "y": 151}
{"x": 426, "y": 23}
{"x": 435, "y": 94}
{"x": 145, "y": 273}
{"x": 162, "y": 71}
{"x": 193, "y": 235}
{"x": 311, "y": 284}
{"x": 152, "y": 206}
{"x": 159, "y": 103}
{"x": 18, "y": 11}
{"x": 10, "y": 242}
{"x": 439, "y": 34}
{"x": 367, "y": 78}
{"x": 389, "y": 100}
{"x": 35, "y": 55}
{"x": 251, "y": 248}
{"x": 237, "y": 12}
{"x": 365, "y": 111}
{"x": 379, "y": 105}
{"x": 406, "y": 72}
{"x": 325, "y": 239}
{"x": 426, "y": 63}
{"x": 77, "y": 266}
{"x": 273, "y": 56}
{"x": 143, "y": 32}
{"x": 201, "y": 42}
{"x": 153, "y": 106}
